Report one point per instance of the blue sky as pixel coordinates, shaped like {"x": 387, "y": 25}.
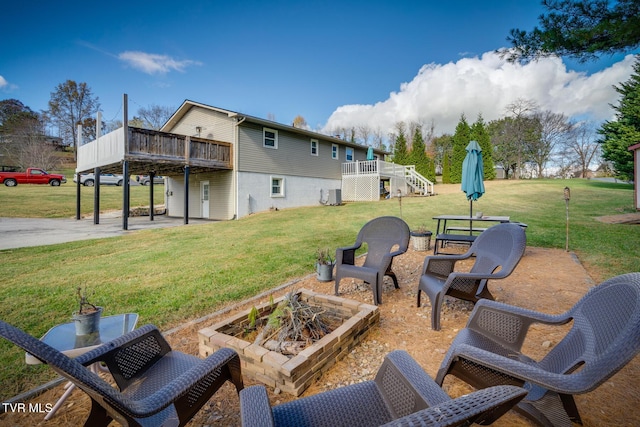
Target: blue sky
{"x": 342, "y": 63}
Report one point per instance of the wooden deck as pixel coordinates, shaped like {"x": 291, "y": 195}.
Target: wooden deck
{"x": 361, "y": 180}
{"x": 170, "y": 150}
{"x": 149, "y": 150}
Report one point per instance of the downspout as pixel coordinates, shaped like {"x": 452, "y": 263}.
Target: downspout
{"x": 236, "y": 138}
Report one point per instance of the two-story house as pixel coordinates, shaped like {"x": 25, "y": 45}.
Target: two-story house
{"x": 220, "y": 164}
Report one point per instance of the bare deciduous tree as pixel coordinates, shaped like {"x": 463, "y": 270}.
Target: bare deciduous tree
{"x": 69, "y": 106}
{"x": 155, "y": 116}
{"x": 520, "y": 110}
{"x": 300, "y": 122}
{"x": 553, "y": 130}
{"x": 27, "y": 146}
{"x": 583, "y": 146}
{"x": 363, "y": 133}
{"x": 378, "y": 138}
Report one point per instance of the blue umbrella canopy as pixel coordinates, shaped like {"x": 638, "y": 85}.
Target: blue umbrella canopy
{"x": 370, "y": 153}
{"x": 473, "y": 174}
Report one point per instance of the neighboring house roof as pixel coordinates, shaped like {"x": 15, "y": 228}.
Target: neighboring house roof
{"x": 188, "y": 104}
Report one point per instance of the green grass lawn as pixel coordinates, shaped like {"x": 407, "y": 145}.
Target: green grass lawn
{"x": 44, "y": 201}
{"x": 176, "y": 274}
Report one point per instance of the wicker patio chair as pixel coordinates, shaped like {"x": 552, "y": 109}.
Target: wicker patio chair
{"x": 386, "y": 237}
{"x": 401, "y": 394}
{"x": 604, "y": 337}
{"x": 157, "y": 386}
{"x": 497, "y": 251}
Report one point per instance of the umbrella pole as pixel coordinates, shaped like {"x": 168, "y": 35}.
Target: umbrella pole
{"x": 470, "y": 217}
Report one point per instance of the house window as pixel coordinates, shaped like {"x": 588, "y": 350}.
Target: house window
{"x": 314, "y": 147}
{"x": 277, "y": 186}
{"x": 334, "y": 151}
{"x": 270, "y": 138}
{"x": 349, "y": 154}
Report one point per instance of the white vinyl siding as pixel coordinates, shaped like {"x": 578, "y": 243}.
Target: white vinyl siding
{"x": 208, "y": 124}
{"x": 292, "y": 158}
{"x": 221, "y": 202}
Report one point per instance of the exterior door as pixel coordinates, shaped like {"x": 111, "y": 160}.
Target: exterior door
{"x": 204, "y": 199}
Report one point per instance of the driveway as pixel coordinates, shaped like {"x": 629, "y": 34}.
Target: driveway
{"x": 26, "y": 232}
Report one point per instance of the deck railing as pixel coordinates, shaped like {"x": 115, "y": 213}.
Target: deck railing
{"x": 151, "y": 145}
{"x": 144, "y": 142}
{"x": 386, "y": 169}
{"x": 366, "y": 167}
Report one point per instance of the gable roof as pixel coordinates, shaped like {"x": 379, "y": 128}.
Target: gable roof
{"x": 188, "y": 104}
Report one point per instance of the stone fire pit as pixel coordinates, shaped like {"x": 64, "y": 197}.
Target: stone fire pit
{"x": 294, "y": 374}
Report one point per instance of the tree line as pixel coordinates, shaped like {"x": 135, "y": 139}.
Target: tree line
{"x": 526, "y": 137}
{"x": 524, "y": 142}
{"x": 26, "y": 138}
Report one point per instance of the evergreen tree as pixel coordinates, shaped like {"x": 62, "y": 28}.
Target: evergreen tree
{"x": 481, "y": 135}
{"x": 400, "y": 153}
{"x": 461, "y": 139}
{"x": 446, "y": 169}
{"x": 418, "y": 156}
{"x": 583, "y": 29}
{"x": 442, "y": 148}
{"x": 431, "y": 169}
{"x": 619, "y": 135}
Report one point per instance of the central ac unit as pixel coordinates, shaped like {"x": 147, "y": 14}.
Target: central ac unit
{"x": 335, "y": 197}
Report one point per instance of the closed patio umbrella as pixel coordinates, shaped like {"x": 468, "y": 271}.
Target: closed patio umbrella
{"x": 473, "y": 175}
{"x": 370, "y": 153}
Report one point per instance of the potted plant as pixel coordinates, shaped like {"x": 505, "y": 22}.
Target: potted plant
{"x": 324, "y": 265}
{"x": 421, "y": 238}
{"x": 87, "y": 318}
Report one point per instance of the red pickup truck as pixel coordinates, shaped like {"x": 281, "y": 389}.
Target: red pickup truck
{"x": 31, "y": 176}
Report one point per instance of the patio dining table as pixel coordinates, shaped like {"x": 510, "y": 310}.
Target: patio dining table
{"x": 446, "y": 236}
{"x": 468, "y": 219}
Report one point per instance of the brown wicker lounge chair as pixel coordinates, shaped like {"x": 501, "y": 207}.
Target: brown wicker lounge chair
{"x": 402, "y": 394}
{"x": 386, "y": 237}
{"x": 157, "y": 386}
{"x": 498, "y": 251}
{"x": 604, "y": 337}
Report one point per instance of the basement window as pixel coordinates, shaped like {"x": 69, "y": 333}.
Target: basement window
{"x": 277, "y": 186}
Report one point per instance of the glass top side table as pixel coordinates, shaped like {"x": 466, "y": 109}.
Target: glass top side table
{"x": 64, "y": 339}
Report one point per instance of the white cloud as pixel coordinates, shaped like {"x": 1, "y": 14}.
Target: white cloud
{"x": 152, "y": 63}
{"x": 6, "y": 86}
{"x": 486, "y": 85}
